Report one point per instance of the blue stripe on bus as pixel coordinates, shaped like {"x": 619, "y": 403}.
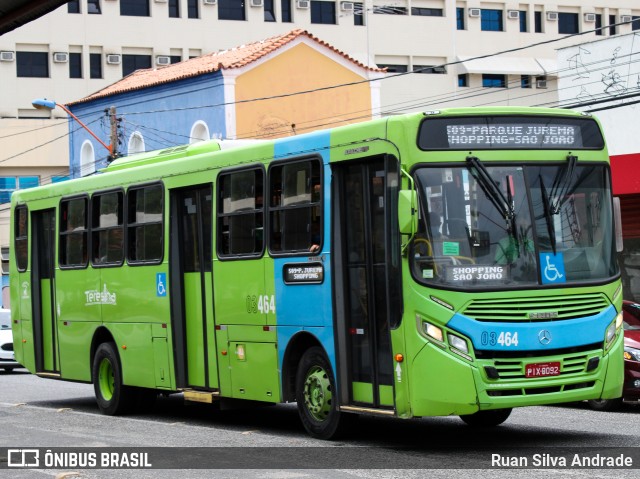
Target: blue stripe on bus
{"x": 559, "y": 334}
{"x": 306, "y": 307}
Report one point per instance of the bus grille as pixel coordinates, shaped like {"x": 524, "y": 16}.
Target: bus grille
{"x": 518, "y": 309}
{"x": 515, "y": 369}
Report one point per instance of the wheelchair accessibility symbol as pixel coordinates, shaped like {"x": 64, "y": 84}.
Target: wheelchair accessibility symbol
{"x": 161, "y": 284}
{"x": 552, "y": 268}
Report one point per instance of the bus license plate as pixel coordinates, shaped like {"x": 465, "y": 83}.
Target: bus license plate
{"x": 539, "y": 370}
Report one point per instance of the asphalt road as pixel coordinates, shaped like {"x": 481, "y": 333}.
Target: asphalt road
{"x": 269, "y": 442}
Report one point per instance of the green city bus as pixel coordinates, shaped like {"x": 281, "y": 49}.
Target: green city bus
{"x": 454, "y": 262}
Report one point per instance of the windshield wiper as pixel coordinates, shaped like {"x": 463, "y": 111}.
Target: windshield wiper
{"x": 561, "y": 184}
{"x": 503, "y": 204}
{"x": 546, "y": 208}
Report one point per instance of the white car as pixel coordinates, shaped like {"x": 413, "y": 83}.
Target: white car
{"x": 7, "y": 358}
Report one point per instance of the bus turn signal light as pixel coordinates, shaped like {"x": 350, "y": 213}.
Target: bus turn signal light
{"x": 399, "y": 357}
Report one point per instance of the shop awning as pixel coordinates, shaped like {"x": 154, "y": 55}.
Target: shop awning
{"x": 502, "y": 65}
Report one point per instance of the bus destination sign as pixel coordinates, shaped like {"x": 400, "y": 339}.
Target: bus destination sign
{"x": 477, "y": 273}
{"x": 303, "y": 273}
{"x": 509, "y": 136}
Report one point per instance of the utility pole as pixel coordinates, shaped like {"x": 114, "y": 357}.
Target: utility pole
{"x": 113, "y": 121}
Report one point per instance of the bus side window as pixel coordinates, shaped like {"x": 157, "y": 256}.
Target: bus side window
{"x": 73, "y": 233}
{"x": 145, "y": 232}
{"x": 295, "y": 211}
{"x": 107, "y": 228}
{"x": 21, "y": 238}
{"x": 241, "y": 213}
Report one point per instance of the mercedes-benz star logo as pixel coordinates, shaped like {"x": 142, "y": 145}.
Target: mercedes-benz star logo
{"x": 544, "y": 337}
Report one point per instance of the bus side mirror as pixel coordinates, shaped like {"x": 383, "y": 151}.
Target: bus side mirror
{"x": 407, "y": 212}
{"x": 617, "y": 216}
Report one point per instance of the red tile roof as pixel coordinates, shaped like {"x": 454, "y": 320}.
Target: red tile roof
{"x": 236, "y": 57}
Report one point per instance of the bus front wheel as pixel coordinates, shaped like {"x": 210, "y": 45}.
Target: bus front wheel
{"x": 112, "y": 396}
{"x": 490, "y": 418}
{"x": 316, "y": 395}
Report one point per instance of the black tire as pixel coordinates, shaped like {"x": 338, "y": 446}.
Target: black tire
{"x": 315, "y": 395}
{"x": 489, "y": 418}
{"x": 112, "y": 396}
{"x": 605, "y": 404}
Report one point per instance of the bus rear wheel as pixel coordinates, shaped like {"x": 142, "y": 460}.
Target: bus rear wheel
{"x": 112, "y": 396}
{"x": 490, "y": 418}
{"x": 316, "y": 395}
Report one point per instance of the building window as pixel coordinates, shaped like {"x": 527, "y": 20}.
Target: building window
{"x": 389, "y": 10}
{"x": 460, "y": 18}
{"x": 598, "y": 24}
{"x": 523, "y": 20}
{"x": 295, "y": 208}
{"x": 93, "y": 7}
{"x": 635, "y": 22}
{"x": 394, "y": 68}
{"x": 231, "y": 10}
{"x": 427, "y": 12}
{"x": 174, "y": 8}
{"x": 134, "y": 8}
{"x": 285, "y": 8}
{"x": 75, "y": 65}
{"x": 175, "y": 58}
{"x": 491, "y": 20}
{"x": 107, "y": 228}
{"x": 541, "y": 82}
{"x": 145, "y": 230}
{"x": 59, "y": 179}
{"x": 73, "y": 6}
{"x": 323, "y": 12}
{"x": 429, "y": 69}
{"x": 73, "y": 233}
{"x": 192, "y": 8}
{"x": 525, "y": 81}
{"x": 494, "y": 81}
{"x": 21, "y": 228}
{"x": 32, "y": 64}
{"x": 9, "y": 184}
{"x": 95, "y": 65}
{"x": 131, "y": 63}
{"x": 241, "y": 213}
{"x": 358, "y": 14}
{"x": 463, "y": 80}
{"x": 269, "y": 12}
{"x": 567, "y": 23}
{"x": 537, "y": 20}
{"x": 612, "y": 21}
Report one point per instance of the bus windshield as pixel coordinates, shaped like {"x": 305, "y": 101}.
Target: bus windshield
{"x": 484, "y": 225}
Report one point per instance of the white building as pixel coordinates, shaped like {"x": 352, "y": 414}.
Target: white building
{"x": 88, "y": 44}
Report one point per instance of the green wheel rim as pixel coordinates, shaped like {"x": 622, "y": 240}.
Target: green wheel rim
{"x": 317, "y": 393}
{"x": 106, "y": 380}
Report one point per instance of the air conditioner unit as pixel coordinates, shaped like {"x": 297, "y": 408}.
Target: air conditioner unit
{"x": 7, "y": 56}
{"x": 541, "y": 83}
{"x": 626, "y": 18}
{"x": 346, "y": 6}
{"x": 589, "y": 17}
{"x": 209, "y": 2}
{"x": 513, "y": 14}
{"x": 552, "y": 16}
{"x": 474, "y": 12}
{"x": 256, "y": 3}
{"x": 303, "y": 4}
{"x": 113, "y": 59}
{"x": 60, "y": 57}
{"x": 163, "y": 60}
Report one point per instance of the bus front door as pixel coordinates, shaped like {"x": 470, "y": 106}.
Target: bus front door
{"x": 45, "y": 329}
{"x": 191, "y": 288}
{"x": 367, "y": 274}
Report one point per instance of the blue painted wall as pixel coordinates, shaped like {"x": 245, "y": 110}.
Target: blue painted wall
{"x": 163, "y": 114}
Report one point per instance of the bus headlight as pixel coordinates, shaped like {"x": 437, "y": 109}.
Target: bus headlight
{"x": 458, "y": 343}
{"x": 433, "y": 331}
{"x": 613, "y": 328}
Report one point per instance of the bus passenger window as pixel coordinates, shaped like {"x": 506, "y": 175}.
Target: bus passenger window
{"x": 107, "y": 229}
{"x": 73, "y": 233}
{"x": 21, "y": 238}
{"x": 145, "y": 231}
{"x": 240, "y": 213}
{"x": 295, "y": 211}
